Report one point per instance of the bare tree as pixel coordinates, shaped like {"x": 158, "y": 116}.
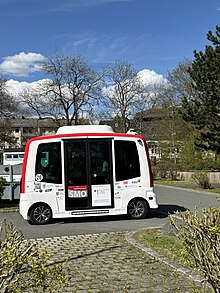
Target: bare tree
{"x": 174, "y": 129}
{"x": 9, "y": 108}
{"x": 71, "y": 90}
{"x": 180, "y": 85}
{"x": 125, "y": 95}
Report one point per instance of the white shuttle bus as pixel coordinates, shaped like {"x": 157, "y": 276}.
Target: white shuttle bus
{"x": 86, "y": 171}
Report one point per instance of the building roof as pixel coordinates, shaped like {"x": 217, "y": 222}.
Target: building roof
{"x": 36, "y": 122}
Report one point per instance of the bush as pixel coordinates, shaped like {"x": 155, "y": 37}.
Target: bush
{"x": 201, "y": 179}
{"x": 166, "y": 169}
{"x": 24, "y": 267}
{"x": 201, "y": 240}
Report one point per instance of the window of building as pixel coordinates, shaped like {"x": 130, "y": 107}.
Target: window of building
{"x": 127, "y": 165}
{"x": 154, "y": 149}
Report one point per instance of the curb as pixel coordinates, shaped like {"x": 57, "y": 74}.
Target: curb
{"x": 157, "y": 256}
{"x": 9, "y": 210}
{"x": 189, "y": 189}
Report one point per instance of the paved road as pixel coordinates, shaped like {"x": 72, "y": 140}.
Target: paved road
{"x": 169, "y": 199}
{"x": 107, "y": 263}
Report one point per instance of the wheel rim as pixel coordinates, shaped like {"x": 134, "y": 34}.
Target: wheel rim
{"x": 42, "y": 214}
{"x": 136, "y": 209}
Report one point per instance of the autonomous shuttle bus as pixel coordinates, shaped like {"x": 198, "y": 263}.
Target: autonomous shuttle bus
{"x": 83, "y": 171}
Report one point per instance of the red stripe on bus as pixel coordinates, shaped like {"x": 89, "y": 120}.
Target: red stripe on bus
{"x": 149, "y": 164}
{"x": 24, "y": 167}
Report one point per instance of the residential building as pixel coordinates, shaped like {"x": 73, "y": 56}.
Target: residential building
{"x": 26, "y": 128}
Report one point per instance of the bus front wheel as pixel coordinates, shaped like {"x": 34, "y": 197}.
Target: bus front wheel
{"x": 138, "y": 209}
{"x": 40, "y": 214}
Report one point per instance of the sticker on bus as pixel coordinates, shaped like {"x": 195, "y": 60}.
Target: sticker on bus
{"x": 77, "y": 191}
{"x": 101, "y": 195}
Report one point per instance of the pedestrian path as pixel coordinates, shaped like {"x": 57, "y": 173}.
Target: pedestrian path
{"x": 106, "y": 262}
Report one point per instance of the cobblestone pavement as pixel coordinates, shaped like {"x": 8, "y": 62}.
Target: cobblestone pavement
{"x": 102, "y": 263}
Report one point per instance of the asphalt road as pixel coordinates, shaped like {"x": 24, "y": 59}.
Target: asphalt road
{"x": 170, "y": 200}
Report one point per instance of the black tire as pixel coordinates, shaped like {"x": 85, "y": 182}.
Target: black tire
{"x": 137, "y": 209}
{"x": 40, "y": 214}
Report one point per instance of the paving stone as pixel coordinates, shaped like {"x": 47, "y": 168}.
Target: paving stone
{"x": 106, "y": 262}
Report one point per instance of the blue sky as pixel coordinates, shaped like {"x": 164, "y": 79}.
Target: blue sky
{"x": 149, "y": 34}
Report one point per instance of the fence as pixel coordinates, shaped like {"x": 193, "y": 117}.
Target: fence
{"x": 214, "y": 177}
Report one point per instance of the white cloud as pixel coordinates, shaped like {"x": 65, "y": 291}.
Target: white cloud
{"x": 104, "y": 48}
{"x": 86, "y": 3}
{"x": 150, "y": 77}
{"x": 22, "y": 64}
{"x": 15, "y": 87}
{"x": 89, "y": 2}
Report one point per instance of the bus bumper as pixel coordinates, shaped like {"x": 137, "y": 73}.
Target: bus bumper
{"x": 152, "y": 200}
{"x": 23, "y": 208}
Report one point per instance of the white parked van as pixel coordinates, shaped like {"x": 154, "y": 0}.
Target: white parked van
{"x": 83, "y": 171}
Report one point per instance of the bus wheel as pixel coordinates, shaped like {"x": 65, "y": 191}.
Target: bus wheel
{"x": 40, "y": 214}
{"x": 137, "y": 209}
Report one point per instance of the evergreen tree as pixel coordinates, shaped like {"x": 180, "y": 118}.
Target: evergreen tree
{"x": 203, "y": 108}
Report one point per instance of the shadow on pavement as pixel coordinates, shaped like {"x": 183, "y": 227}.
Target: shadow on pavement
{"x": 164, "y": 210}
{"x": 91, "y": 219}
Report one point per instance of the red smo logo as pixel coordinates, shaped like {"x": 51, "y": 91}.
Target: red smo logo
{"x": 77, "y": 191}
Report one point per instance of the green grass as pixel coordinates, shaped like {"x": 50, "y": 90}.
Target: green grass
{"x": 168, "y": 246}
{"x": 169, "y": 181}
{"x": 216, "y": 190}
{"x": 185, "y": 184}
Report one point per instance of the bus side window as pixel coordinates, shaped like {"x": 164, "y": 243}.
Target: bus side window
{"x": 127, "y": 165}
{"x": 48, "y": 162}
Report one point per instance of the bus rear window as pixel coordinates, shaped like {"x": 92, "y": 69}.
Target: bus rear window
{"x": 48, "y": 162}
{"x": 127, "y": 165}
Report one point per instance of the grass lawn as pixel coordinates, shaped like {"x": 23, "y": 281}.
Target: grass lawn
{"x": 168, "y": 246}
{"x": 186, "y": 184}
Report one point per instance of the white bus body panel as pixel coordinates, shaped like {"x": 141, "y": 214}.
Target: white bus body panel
{"x": 85, "y": 129}
{"x": 54, "y": 194}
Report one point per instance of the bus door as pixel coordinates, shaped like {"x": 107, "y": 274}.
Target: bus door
{"x": 88, "y": 174}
